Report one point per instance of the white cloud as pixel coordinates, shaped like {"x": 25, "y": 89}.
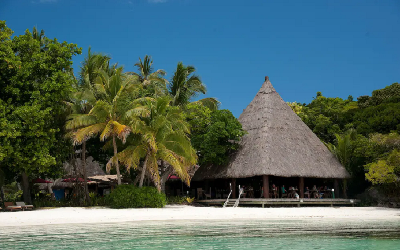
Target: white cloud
{"x": 157, "y": 1}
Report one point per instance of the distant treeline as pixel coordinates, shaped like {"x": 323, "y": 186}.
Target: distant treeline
{"x": 363, "y": 134}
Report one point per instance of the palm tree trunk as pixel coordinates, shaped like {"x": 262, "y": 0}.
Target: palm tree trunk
{"x": 143, "y": 171}
{"x": 164, "y": 178}
{"x": 84, "y": 172}
{"x": 116, "y": 160}
{"x": 25, "y": 187}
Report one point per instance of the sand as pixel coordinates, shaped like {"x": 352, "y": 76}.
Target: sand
{"x": 170, "y": 213}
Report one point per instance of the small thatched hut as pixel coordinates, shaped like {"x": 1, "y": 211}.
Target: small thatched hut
{"x": 278, "y": 143}
{"x": 74, "y": 169}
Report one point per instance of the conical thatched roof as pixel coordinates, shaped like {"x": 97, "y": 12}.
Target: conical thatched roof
{"x": 278, "y": 143}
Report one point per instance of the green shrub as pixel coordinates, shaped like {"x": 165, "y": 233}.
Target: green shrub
{"x": 44, "y": 202}
{"x": 176, "y": 200}
{"x": 96, "y": 200}
{"x": 129, "y": 196}
{"x": 180, "y": 200}
{"x": 13, "y": 197}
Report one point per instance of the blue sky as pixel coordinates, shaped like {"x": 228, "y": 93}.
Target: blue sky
{"x": 337, "y": 47}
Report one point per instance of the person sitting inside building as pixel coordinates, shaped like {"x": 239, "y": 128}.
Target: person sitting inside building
{"x": 283, "y": 191}
{"x": 274, "y": 192}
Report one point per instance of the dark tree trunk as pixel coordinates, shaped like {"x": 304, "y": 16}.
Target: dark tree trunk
{"x": 143, "y": 174}
{"x": 26, "y": 190}
{"x": 84, "y": 172}
{"x": 164, "y": 178}
{"x": 2, "y": 197}
{"x": 137, "y": 178}
{"x": 116, "y": 160}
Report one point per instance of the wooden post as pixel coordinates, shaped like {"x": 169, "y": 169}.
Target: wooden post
{"x": 233, "y": 188}
{"x": 266, "y": 186}
{"x": 344, "y": 188}
{"x": 336, "y": 187}
{"x": 301, "y": 187}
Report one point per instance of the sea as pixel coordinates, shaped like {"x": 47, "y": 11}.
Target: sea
{"x": 234, "y": 234}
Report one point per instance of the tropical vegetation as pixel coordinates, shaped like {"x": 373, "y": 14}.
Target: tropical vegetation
{"x": 363, "y": 134}
{"x": 138, "y": 124}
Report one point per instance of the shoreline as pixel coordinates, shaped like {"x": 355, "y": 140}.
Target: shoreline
{"x": 78, "y": 215}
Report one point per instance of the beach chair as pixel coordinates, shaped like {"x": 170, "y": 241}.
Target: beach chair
{"x": 10, "y": 206}
{"x": 24, "y": 206}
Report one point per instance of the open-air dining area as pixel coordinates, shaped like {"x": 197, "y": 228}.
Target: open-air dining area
{"x": 279, "y": 188}
{"x": 280, "y": 159}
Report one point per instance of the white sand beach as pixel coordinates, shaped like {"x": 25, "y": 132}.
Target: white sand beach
{"x": 106, "y": 215}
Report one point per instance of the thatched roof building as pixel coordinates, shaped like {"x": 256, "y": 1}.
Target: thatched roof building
{"x": 278, "y": 143}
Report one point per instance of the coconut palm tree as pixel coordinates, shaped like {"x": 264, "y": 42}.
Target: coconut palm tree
{"x": 38, "y": 36}
{"x": 150, "y": 79}
{"x": 79, "y": 105}
{"x": 83, "y": 100}
{"x": 185, "y": 86}
{"x": 106, "y": 116}
{"x": 163, "y": 136}
{"x": 91, "y": 68}
{"x": 343, "y": 149}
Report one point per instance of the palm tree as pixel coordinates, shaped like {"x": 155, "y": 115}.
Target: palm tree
{"x": 91, "y": 69}
{"x": 150, "y": 79}
{"x": 38, "y": 36}
{"x": 343, "y": 149}
{"x": 79, "y": 105}
{"x": 163, "y": 136}
{"x": 83, "y": 100}
{"x": 106, "y": 116}
{"x": 185, "y": 86}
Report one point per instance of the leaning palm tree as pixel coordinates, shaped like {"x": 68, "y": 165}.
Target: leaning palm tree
{"x": 162, "y": 136}
{"x": 185, "y": 86}
{"x": 150, "y": 79}
{"x": 106, "y": 116}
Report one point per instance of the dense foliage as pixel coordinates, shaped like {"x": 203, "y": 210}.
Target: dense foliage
{"x": 129, "y": 196}
{"x": 139, "y": 119}
{"x": 35, "y": 79}
{"x": 215, "y": 134}
{"x": 363, "y": 135}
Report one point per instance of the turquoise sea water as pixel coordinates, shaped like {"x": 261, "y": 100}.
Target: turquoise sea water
{"x": 241, "y": 234}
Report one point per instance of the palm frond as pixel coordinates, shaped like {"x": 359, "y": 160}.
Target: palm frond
{"x": 211, "y": 103}
{"x": 130, "y": 157}
{"x": 141, "y": 111}
{"x": 80, "y": 120}
{"x": 122, "y": 131}
{"x": 152, "y": 167}
{"x": 86, "y": 133}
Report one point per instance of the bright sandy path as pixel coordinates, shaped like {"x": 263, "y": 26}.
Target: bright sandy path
{"x": 106, "y": 215}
